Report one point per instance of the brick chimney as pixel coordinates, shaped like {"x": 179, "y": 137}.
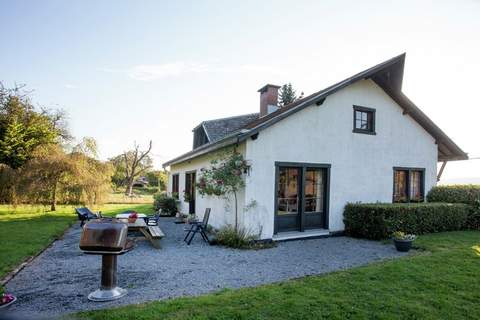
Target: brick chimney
{"x": 268, "y": 99}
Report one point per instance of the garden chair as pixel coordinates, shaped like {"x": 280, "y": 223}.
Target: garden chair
{"x": 152, "y": 220}
{"x": 85, "y": 214}
{"x": 199, "y": 227}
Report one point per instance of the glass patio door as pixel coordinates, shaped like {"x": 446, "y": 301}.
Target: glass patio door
{"x": 314, "y": 197}
{"x": 288, "y": 199}
{"x": 301, "y": 197}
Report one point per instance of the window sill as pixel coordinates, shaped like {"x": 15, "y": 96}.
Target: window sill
{"x": 364, "y": 132}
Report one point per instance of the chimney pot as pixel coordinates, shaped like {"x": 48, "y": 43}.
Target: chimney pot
{"x": 268, "y": 99}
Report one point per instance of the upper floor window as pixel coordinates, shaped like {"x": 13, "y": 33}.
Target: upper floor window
{"x": 363, "y": 120}
{"x": 408, "y": 185}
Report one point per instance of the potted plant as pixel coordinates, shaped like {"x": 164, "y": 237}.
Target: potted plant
{"x": 403, "y": 241}
{"x": 132, "y": 217}
{"x": 6, "y": 300}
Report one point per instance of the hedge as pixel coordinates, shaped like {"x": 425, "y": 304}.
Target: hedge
{"x": 379, "y": 221}
{"x": 455, "y": 194}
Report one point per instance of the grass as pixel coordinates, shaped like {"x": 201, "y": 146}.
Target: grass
{"x": 26, "y": 230}
{"x": 440, "y": 281}
{"x": 141, "y": 195}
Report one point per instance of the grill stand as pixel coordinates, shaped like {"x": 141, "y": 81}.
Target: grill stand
{"x": 108, "y": 290}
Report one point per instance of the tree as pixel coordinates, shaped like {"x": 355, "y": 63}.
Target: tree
{"x": 42, "y": 177}
{"x": 23, "y": 129}
{"x": 136, "y": 162}
{"x": 224, "y": 178}
{"x": 157, "y": 178}
{"x": 288, "y": 95}
{"x": 52, "y": 176}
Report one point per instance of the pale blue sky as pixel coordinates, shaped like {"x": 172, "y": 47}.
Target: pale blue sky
{"x": 130, "y": 71}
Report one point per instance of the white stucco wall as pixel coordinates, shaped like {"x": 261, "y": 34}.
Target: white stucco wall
{"x": 361, "y": 164}
{"x": 223, "y": 211}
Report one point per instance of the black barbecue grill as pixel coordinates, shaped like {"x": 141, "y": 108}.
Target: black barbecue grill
{"x": 106, "y": 237}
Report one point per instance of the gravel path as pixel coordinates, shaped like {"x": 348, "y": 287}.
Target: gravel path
{"x": 59, "y": 280}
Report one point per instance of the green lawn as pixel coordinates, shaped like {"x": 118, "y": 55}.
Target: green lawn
{"x": 26, "y": 230}
{"x": 440, "y": 281}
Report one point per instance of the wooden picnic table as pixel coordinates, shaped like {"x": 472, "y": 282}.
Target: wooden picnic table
{"x": 153, "y": 233}
{"x": 126, "y": 215}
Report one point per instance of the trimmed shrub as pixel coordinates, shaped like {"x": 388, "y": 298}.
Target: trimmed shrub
{"x": 167, "y": 204}
{"x": 473, "y": 221}
{"x": 455, "y": 194}
{"x": 239, "y": 239}
{"x": 379, "y": 221}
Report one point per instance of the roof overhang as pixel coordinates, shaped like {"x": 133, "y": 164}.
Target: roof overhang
{"x": 388, "y": 75}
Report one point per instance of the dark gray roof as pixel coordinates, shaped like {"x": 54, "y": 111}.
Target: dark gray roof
{"x": 220, "y": 128}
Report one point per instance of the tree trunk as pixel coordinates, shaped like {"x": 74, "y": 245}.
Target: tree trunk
{"x": 236, "y": 210}
{"x": 130, "y": 188}
{"x": 53, "y": 205}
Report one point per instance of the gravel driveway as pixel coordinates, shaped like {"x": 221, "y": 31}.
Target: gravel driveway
{"x": 59, "y": 280}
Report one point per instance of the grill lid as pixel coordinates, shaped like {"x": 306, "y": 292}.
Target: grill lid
{"x": 105, "y": 235}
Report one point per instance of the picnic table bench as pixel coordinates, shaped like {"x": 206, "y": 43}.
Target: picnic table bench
{"x": 152, "y": 233}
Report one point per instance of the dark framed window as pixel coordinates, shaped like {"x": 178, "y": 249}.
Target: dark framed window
{"x": 175, "y": 180}
{"x": 363, "y": 120}
{"x": 408, "y": 184}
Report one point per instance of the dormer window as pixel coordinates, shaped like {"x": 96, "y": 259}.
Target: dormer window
{"x": 199, "y": 137}
{"x": 363, "y": 120}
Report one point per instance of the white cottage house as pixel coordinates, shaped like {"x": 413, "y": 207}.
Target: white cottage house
{"x": 359, "y": 140}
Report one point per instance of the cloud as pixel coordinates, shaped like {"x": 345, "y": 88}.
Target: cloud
{"x": 70, "y": 86}
{"x": 151, "y": 72}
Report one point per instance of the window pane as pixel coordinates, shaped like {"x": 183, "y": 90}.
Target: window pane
{"x": 400, "y": 186}
{"x": 416, "y": 186}
{"x": 364, "y": 116}
{"x": 314, "y": 190}
{"x": 287, "y": 195}
{"x": 364, "y": 125}
{"x": 358, "y": 124}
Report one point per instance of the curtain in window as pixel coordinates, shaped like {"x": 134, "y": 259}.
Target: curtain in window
{"x": 314, "y": 190}
{"x": 415, "y": 186}
{"x": 400, "y": 186}
{"x": 287, "y": 195}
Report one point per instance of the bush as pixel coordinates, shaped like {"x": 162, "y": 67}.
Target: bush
{"x": 455, "y": 194}
{"x": 379, "y": 221}
{"x": 229, "y": 237}
{"x": 167, "y": 204}
{"x": 473, "y": 221}
{"x": 239, "y": 239}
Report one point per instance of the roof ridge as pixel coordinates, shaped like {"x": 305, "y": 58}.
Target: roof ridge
{"x": 232, "y": 117}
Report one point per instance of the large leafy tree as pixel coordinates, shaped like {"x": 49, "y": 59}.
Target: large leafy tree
{"x": 23, "y": 129}
{"x": 53, "y": 175}
{"x": 287, "y": 95}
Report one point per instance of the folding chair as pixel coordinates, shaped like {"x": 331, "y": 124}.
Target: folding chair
{"x": 199, "y": 227}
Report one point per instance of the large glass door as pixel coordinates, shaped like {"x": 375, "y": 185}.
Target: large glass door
{"x": 288, "y": 198}
{"x": 314, "y": 193}
{"x": 301, "y": 197}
